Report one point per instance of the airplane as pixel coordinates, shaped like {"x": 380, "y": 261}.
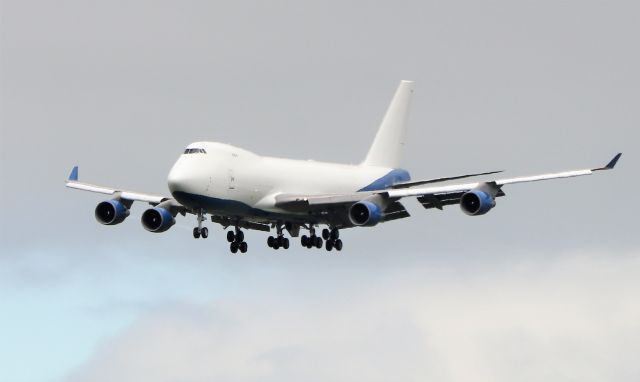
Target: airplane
{"x": 239, "y": 189}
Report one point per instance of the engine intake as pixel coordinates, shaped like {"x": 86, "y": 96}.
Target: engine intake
{"x": 365, "y": 213}
{"x": 477, "y": 202}
{"x": 111, "y": 212}
{"x": 157, "y": 219}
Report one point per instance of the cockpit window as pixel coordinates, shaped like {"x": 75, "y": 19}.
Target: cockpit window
{"x": 195, "y": 151}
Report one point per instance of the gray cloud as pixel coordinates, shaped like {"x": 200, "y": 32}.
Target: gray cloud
{"x": 574, "y": 318}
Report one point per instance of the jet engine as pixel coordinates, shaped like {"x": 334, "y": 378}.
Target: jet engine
{"x": 366, "y": 213}
{"x": 477, "y": 202}
{"x": 111, "y": 212}
{"x": 157, "y": 219}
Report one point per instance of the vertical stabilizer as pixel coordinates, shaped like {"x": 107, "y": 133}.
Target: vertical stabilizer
{"x": 386, "y": 149}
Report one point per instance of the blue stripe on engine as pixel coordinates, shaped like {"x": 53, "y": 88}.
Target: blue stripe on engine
{"x": 394, "y": 176}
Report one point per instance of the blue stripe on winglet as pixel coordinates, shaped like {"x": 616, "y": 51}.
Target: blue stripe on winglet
{"x": 613, "y": 162}
{"x": 74, "y": 174}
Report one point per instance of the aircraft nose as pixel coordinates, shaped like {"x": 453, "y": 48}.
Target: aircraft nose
{"x": 176, "y": 179}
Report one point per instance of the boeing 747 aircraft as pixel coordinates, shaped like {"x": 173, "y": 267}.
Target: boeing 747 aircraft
{"x": 242, "y": 190}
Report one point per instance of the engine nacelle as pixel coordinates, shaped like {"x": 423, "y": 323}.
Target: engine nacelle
{"x": 157, "y": 219}
{"x": 365, "y": 213}
{"x": 111, "y": 212}
{"x": 477, "y": 202}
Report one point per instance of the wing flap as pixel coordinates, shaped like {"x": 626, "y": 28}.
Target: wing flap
{"x": 395, "y": 211}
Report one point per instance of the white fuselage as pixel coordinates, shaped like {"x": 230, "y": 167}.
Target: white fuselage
{"x": 231, "y": 179}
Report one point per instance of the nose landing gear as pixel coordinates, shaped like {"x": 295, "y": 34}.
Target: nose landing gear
{"x": 200, "y": 231}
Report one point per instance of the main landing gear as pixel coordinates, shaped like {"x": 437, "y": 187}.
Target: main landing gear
{"x": 200, "y": 231}
{"x": 279, "y": 241}
{"x": 332, "y": 239}
{"x": 312, "y": 240}
{"x": 237, "y": 241}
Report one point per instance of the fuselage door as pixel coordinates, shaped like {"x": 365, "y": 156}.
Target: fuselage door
{"x": 231, "y": 172}
{"x": 232, "y": 180}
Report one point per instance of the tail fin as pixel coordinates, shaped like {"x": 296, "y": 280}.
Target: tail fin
{"x": 386, "y": 149}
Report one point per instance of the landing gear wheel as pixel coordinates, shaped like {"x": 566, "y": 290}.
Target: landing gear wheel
{"x": 338, "y": 245}
{"x": 204, "y": 232}
{"x": 244, "y": 247}
{"x": 318, "y": 242}
{"x": 304, "y": 240}
{"x": 285, "y": 243}
{"x": 239, "y": 236}
{"x": 325, "y": 234}
{"x": 335, "y": 234}
{"x": 196, "y": 233}
{"x": 234, "y": 247}
{"x": 329, "y": 245}
{"x": 231, "y": 237}
{"x": 270, "y": 241}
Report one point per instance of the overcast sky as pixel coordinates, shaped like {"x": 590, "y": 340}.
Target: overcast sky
{"x": 544, "y": 287}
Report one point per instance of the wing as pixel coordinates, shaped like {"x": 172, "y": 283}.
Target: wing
{"x": 419, "y": 191}
{"x": 133, "y": 196}
{"x": 430, "y": 197}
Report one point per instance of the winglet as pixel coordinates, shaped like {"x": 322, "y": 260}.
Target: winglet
{"x": 73, "y": 177}
{"x": 611, "y": 164}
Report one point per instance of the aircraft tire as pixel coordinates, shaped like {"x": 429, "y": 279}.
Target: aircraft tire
{"x": 329, "y": 245}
